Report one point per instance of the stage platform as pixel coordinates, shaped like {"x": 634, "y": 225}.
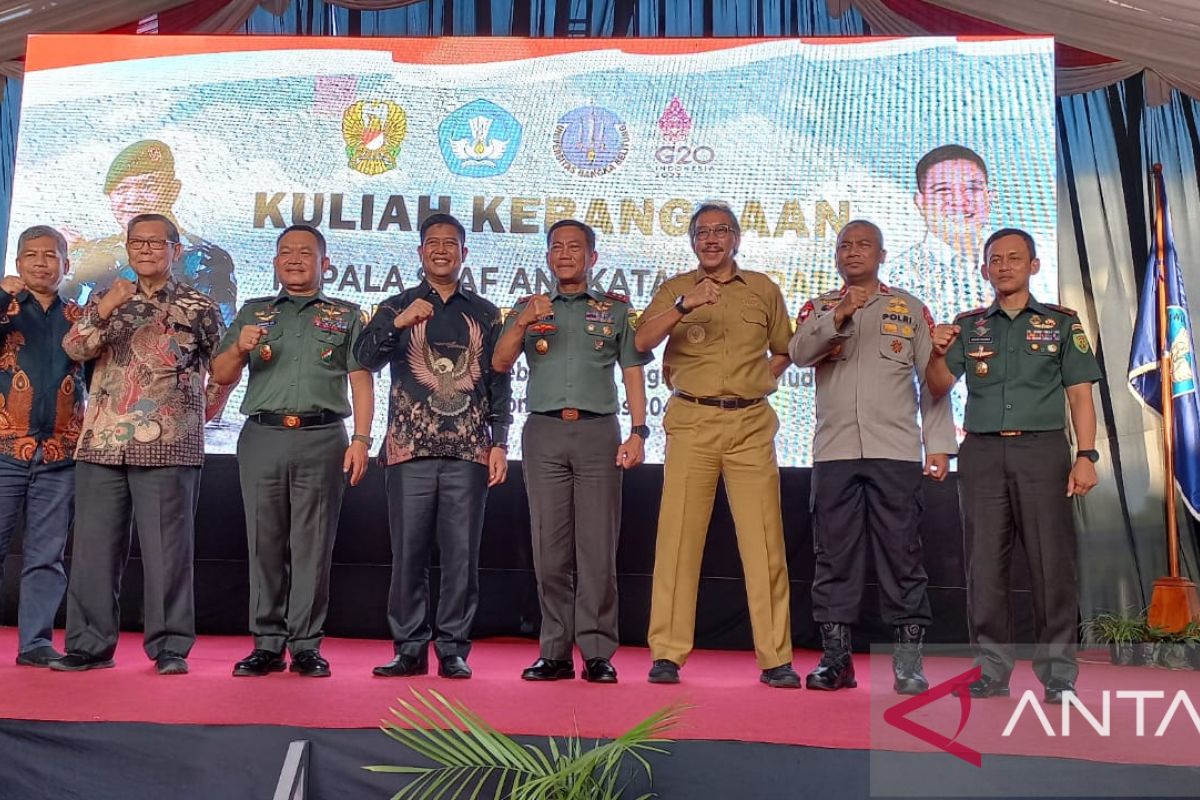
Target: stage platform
{"x": 128, "y": 732}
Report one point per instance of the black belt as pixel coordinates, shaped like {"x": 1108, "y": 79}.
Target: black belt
{"x": 296, "y": 420}
{"x": 1012, "y": 433}
{"x": 570, "y": 414}
{"x": 720, "y": 402}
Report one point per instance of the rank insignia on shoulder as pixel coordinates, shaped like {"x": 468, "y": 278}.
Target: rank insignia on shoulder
{"x": 1070, "y": 312}
{"x": 973, "y": 312}
{"x": 623, "y": 298}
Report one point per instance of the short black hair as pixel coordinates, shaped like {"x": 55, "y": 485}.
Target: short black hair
{"x": 309, "y": 229}
{"x": 863, "y": 223}
{"x": 947, "y": 152}
{"x": 588, "y": 233}
{"x": 172, "y": 230}
{"x": 1000, "y": 234}
{"x": 444, "y": 219}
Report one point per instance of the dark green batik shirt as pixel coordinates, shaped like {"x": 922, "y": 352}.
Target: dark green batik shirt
{"x": 571, "y": 356}
{"x": 1017, "y": 369}
{"x": 300, "y": 365}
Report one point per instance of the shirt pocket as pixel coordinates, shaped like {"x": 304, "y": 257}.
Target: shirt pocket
{"x": 601, "y": 335}
{"x": 331, "y": 348}
{"x": 755, "y": 314}
{"x": 896, "y": 342}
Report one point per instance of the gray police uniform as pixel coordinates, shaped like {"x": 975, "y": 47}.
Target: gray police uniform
{"x": 290, "y": 456}
{"x": 569, "y": 447}
{"x": 1013, "y": 472}
{"x": 867, "y": 470}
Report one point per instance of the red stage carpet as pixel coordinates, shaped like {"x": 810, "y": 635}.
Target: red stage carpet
{"x": 722, "y": 687}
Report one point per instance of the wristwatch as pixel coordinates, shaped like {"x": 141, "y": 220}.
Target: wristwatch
{"x": 641, "y": 430}
{"x": 1091, "y": 455}
{"x": 367, "y": 440}
{"x": 680, "y": 307}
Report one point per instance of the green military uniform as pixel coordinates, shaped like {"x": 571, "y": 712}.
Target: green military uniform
{"x": 569, "y": 446}
{"x": 290, "y": 455}
{"x": 1013, "y": 470}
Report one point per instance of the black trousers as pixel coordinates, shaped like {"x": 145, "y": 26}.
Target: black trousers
{"x": 875, "y": 503}
{"x": 108, "y": 500}
{"x": 434, "y": 500}
{"x": 574, "y": 488}
{"x": 1010, "y": 487}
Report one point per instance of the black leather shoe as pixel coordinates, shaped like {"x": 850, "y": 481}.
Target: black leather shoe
{"x": 170, "y": 663}
{"x": 78, "y": 662}
{"x": 38, "y": 657}
{"x": 781, "y": 677}
{"x": 599, "y": 670}
{"x": 549, "y": 669}
{"x": 1055, "y": 688}
{"x": 310, "y": 664}
{"x": 454, "y": 667}
{"x": 403, "y": 666}
{"x": 663, "y": 671}
{"x": 258, "y": 663}
{"x": 987, "y": 686}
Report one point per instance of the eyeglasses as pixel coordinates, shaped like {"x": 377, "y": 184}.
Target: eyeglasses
{"x": 153, "y": 244}
{"x": 720, "y": 232}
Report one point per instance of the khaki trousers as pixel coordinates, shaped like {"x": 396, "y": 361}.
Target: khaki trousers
{"x": 704, "y": 443}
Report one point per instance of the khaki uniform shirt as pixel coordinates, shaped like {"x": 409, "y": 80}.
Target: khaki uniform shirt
{"x": 1017, "y": 369}
{"x": 870, "y": 376}
{"x": 720, "y": 350}
{"x": 300, "y": 365}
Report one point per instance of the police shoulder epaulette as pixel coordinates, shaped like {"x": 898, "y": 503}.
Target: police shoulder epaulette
{"x": 830, "y": 295}
{"x": 624, "y": 298}
{"x": 973, "y": 312}
{"x": 1070, "y": 312}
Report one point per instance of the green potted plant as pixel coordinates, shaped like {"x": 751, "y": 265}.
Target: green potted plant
{"x": 1123, "y": 633}
{"x": 473, "y": 758}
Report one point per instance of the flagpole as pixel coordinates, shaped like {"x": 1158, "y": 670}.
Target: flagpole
{"x": 1165, "y": 378}
{"x": 1174, "y": 604}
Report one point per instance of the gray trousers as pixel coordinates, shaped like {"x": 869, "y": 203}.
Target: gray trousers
{"x": 574, "y": 488}
{"x": 1009, "y": 487}
{"x": 108, "y": 499}
{"x": 434, "y": 500}
{"x": 292, "y": 487}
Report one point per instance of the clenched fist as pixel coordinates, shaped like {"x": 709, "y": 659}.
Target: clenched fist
{"x": 538, "y": 308}
{"x": 117, "y": 296}
{"x": 855, "y": 298}
{"x": 249, "y": 337}
{"x": 12, "y": 284}
{"x": 417, "y": 312}
{"x": 943, "y": 337}
{"x": 706, "y": 293}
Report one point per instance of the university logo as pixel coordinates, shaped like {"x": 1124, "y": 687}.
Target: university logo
{"x": 679, "y": 156}
{"x": 479, "y": 140}
{"x": 1183, "y": 363}
{"x": 590, "y": 141}
{"x": 373, "y": 131}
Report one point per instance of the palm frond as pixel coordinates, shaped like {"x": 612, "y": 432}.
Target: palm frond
{"x": 471, "y": 756}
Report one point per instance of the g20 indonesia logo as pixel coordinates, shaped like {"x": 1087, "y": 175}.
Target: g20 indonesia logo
{"x": 479, "y": 140}
{"x": 373, "y": 131}
{"x": 590, "y": 141}
{"x": 679, "y": 155}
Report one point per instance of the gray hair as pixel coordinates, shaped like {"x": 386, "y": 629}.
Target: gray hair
{"x": 714, "y": 205}
{"x": 40, "y": 232}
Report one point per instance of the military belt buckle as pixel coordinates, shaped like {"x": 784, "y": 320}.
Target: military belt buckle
{"x": 291, "y": 421}
{"x": 570, "y": 414}
{"x": 1011, "y": 433}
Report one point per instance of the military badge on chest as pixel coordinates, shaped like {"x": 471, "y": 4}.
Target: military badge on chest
{"x": 981, "y": 355}
{"x": 543, "y": 331}
{"x": 599, "y": 312}
{"x": 331, "y": 319}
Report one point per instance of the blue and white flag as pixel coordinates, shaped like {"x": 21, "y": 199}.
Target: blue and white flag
{"x": 1144, "y": 378}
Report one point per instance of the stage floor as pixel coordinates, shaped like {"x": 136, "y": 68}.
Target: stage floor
{"x": 721, "y": 688}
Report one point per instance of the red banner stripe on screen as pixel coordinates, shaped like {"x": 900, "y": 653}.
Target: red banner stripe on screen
{"x": 55, "y": 51}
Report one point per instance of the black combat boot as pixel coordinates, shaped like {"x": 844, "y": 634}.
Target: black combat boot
{"x": 836, "y": 669}
{"x": 906, "y": 660}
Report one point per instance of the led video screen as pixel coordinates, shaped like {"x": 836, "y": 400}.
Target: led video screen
{"x": 937, "y": 140}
